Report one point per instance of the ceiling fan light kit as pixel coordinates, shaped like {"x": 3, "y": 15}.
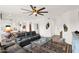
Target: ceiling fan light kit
{"x": 36, "y": 11}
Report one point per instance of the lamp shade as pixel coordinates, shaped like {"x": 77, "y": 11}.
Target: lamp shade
{"x": 8, "y": 29}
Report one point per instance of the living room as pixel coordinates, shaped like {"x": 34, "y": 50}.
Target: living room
{"x": 52, "y": 28}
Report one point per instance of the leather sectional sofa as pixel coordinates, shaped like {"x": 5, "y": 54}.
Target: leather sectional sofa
{"x": 25, "y": 38}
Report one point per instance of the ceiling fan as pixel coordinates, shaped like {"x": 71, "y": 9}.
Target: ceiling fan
{"x": 35, "y": 11}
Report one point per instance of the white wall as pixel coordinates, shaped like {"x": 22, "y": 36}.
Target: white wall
{"x": 71, "y": 19}
{"x": 14, "y": 20}
{"x": 42, "y": 27}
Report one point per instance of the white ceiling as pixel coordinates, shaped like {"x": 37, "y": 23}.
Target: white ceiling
{"x": 53, "y": 10}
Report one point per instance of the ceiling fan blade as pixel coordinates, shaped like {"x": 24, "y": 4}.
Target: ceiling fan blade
{"x": 41, "y": 9}
{"x": 26, "y": 12}
{"x": 30, "y": 14}
{"x": 32, "y": 7}
{"x": 24, "y": 9}
{"x": 43, "y": 12}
